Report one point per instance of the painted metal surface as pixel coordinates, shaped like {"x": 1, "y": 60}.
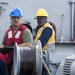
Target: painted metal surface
{"x": 57, "y": 53}
{"x": 30, "y": 8}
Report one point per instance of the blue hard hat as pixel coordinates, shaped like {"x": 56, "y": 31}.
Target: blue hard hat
{"x": 16, "y": 12}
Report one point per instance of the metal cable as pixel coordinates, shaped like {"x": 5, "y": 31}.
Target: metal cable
{"x": 44, "y": 63}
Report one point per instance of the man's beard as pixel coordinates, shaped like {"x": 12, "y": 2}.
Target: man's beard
{"x": 41, "y": 23}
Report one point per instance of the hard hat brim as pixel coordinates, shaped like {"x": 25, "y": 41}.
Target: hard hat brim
{"x": 39, "y": 17}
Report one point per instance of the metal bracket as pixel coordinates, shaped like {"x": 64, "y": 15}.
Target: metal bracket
{"x": 1, "y": 8}
{"x": 71, "y": 1}
{"x": 4, "y": 3}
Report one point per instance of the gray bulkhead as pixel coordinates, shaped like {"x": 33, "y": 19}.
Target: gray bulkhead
{"x": 55, "y": 9}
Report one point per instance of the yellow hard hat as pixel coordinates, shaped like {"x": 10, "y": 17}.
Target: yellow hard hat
{"x": 41, "y": 12}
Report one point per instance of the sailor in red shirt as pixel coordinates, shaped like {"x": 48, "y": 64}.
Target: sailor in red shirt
{"x": 17, "y": 33}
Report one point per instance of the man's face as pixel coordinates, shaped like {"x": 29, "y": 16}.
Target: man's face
{"x": 41, "y": 20}
{"x": 15, "y": 20}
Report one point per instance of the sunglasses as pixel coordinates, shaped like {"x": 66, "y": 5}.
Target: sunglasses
{"x": 14, "y": 17}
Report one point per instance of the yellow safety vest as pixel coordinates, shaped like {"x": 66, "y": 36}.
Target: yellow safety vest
{"x": 39, "y": 32}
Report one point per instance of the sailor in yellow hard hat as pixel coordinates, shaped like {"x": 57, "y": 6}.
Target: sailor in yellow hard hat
{"x": 44, "y": 31}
